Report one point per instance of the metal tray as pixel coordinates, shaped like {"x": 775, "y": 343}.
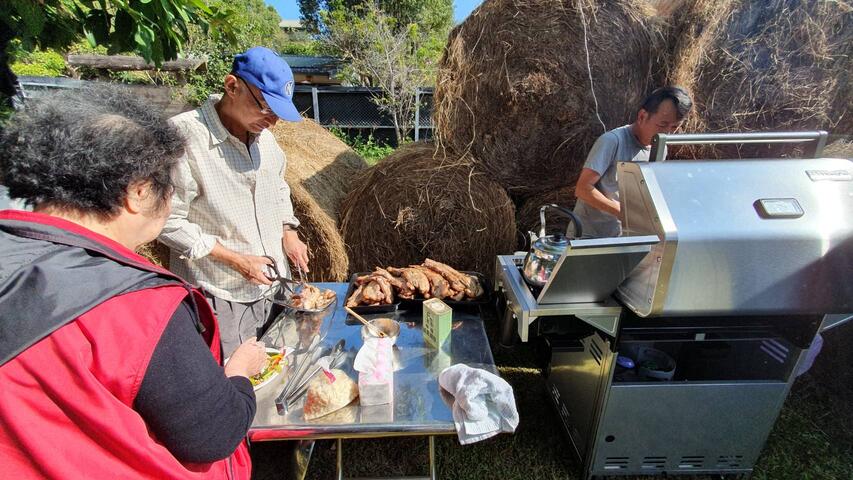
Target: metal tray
{"x": 368, "y": 309}
{"x": 485, "y": 298}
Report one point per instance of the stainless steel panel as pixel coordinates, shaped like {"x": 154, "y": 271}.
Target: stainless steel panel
{"x": 576, "y": 378}
{"x": 602, "y": 315}
{"x": 591, "y": 269}
{"x": 831, "y": 321}
{"x": 814, "y": 140}
{"x": 652, "y": 428}
{"x": 718, "y": 256}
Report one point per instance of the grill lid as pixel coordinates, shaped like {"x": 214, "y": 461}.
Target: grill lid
{"x": 740, "y": 237}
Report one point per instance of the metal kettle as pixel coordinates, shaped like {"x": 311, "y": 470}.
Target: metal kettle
{"x": 546, "y": 250}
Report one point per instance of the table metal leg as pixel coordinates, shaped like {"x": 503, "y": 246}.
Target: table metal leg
{"x": 432, "y": 471}
{"x": 301, "y": 458}
{"x": 340, "y": 459}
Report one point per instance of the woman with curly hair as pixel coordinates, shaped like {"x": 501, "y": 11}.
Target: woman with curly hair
{"x": 109, "y": 364}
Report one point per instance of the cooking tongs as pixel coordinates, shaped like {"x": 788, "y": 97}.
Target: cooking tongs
{"x": 297, "y": 384}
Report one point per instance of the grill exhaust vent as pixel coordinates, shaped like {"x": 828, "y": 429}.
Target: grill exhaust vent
{"x": 776, "y": 350}
{"x": 730, "y": 461}
{"x": 691, "y": 462}
{"x": 595, "y": 351}
{"x": 555, "y": 392}
{"x": 653, "y": 463}
{"x": 616, "y": 463}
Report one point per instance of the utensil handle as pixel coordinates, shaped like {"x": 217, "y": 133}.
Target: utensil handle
{"x": 376, "y": 331}
{"x": 815, "y": 140}
{"x": 575, "y": 221}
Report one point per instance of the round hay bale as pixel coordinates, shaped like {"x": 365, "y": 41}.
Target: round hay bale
{"x": 513, "y": 87}
{"x": 424, "y": 202}
{"x": 156, "y": 253}
{"x": 527, "y": 217}
{"x": 839, "y": 149}
{"x": 327, "y": 255}
{"x": 322, "y": 163}
{"x": 779, "y": 65}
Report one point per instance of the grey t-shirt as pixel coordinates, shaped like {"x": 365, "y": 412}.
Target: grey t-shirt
{"x": 617, "y": 145}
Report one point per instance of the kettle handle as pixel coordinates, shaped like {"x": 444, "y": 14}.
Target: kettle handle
{"x": 566, "y": 212}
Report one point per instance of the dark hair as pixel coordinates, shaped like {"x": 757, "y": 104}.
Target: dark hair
{"x": 80, "y": 149}
{"x": 680, "y": 98}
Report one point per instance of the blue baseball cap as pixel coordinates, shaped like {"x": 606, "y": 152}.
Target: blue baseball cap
{"x": 264, "y": 69}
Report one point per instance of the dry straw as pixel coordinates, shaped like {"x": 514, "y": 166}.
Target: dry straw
{"x": 156, "y": 253}
{"x": 514, "y": 89}
{"x": 778, "y": 65}
{"x": 327, "y": 254}
{"x": 320, "y": 169}
{"x": 321, "y": 162}
{"x": 839, "y": 149}
{"x": 527, "y": 217}
{"x": 423, "y": 201}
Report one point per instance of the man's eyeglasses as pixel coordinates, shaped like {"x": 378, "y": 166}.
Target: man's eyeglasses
{"x": 264, "y": 110}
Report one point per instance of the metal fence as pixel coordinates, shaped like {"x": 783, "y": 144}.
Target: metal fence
{"x": 353, "y": 108}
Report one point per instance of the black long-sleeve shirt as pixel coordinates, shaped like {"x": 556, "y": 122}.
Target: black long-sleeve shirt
{"x": 197, "y": 412}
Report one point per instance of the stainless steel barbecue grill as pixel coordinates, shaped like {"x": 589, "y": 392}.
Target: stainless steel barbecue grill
{"x": 746, "y": 259}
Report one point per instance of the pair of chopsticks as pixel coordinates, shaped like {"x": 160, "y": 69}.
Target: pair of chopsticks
{"x": 375, "y": 330}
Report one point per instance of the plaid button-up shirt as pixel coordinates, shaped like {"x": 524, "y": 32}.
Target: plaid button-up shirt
{"x": 226, "y": 193}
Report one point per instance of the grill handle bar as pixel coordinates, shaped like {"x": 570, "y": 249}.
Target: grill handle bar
{"x": 817, "y": 140}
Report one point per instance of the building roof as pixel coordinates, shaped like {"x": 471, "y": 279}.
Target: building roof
{"x": 313, "y": 65}
{"x": 294, "y": 24}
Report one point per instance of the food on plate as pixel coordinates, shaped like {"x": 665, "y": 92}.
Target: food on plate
{"x": 312, "y": 298}
{"x": 326, "y": 395}
{"x": 273, "y": 367}
{"x": 431, "y": 279}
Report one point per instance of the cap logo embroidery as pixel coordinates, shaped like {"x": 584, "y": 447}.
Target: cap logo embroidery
{"x": 288, "y": 89}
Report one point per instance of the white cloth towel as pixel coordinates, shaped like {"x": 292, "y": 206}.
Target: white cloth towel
{"x": 483, "y": 405}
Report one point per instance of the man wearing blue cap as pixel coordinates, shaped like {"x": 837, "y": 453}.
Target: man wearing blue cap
{"x": 231, "y": 208}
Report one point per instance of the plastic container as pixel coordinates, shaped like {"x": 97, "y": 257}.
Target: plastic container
{"x": 655, "y": 364}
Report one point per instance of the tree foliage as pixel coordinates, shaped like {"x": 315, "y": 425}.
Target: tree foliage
{"x": 431, "y": 15}
{"x": 39, "y": 63}
{"x": 385, "y": 52}
{"x": 259, "y": 26}
{"x": 156, "y": 30}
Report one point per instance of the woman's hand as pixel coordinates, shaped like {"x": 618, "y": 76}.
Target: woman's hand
{"x": 248, "y": 360}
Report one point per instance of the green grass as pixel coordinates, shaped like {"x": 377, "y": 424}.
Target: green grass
{"x": 812, "y": 440}
{"x": 371, "y": 150}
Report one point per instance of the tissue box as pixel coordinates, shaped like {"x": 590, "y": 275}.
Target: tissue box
{"x": 377, "y": 413}
{"x": 375, "y": 391}
{"x": 437, "y": 318}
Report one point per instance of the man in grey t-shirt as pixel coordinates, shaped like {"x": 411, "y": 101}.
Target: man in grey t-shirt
{"x": 597, "y": 189}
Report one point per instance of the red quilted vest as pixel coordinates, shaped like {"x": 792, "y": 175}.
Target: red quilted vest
{"x": 66, "y": 403}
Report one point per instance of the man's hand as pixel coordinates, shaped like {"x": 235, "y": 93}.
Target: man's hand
{"x": 295, "y": 249}
{"x": 251, "y": 267}
{"x": 248, "y": 360}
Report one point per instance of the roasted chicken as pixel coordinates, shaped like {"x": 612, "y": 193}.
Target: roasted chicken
{"x": 431, "y": 279}
{"x": 312, "y": 298}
